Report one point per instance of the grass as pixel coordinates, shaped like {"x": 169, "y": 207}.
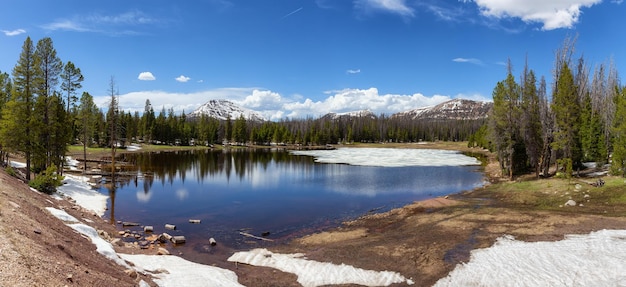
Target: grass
{"x": 552, "y": 194}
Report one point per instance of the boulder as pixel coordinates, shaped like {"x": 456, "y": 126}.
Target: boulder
{"x": 148, "y": 228}
{"x": 570, "y": 203}
{"x": 163, "y": 251}
{"x": 212, "y": 241}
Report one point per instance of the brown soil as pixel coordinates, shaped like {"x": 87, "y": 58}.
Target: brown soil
{"x": 423, "y": 241}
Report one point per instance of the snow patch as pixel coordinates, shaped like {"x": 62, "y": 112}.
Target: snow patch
{"x": 133, "y": 147}
{"x": 313, "y": 273}
{"x": 62, "y": 215}
{"x": 78, "y": 188}
{"x": 102, "y": 246}
{"x": 16, "y": 164}
{"x": 595, "y": 259}
{"x": 180, "y": 272}
{"x": 390, "y": 157}
{"x": 71, "y": 163}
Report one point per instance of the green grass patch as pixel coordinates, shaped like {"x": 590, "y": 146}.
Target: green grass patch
{"x": 553, "y": 193}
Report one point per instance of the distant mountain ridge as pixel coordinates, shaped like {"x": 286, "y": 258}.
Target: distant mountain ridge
{"x": 222, "y": 109}
{"x": 456, "y": 109}
{"x": 358, "y": 114}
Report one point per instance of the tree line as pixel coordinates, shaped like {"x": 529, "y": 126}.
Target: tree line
{"x": 582, "y": 120}
{"x": 41, "y": 114}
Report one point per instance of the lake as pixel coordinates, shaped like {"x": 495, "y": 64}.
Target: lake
{"x": 278, "y": 192}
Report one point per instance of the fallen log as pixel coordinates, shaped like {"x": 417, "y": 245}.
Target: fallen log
{"x": 255, "y": 237}
{"x": 178, "y": 239}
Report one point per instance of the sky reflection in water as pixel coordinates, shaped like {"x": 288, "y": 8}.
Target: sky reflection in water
{"x": 276, "y": 191}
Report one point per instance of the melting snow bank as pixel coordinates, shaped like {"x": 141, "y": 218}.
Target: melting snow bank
{"x": 79, "y": 189}
{"x": 313, "y": 273}
{"x": 390, "y": 157}
{"x": 167, "y": 270}
{"x": 596, "y": 259}
{"x": 176, "y": 271}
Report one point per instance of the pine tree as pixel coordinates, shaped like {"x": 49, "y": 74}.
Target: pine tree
{"x": 49, "y": 67}
{"x": 15, "y": 131}
{"x": 72, "y": 80}
{"x": 618, "y": 166}
{"x": 87, "y": 112}
{"x": 566, "y": 110}
{"x": 531, "y": 120}
{"x": 504, "y": 123}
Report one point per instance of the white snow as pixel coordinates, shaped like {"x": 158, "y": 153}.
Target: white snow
{"x": 102, "y": 246}
{"x": 79, "y": 189}
{"x": 133, "y": 147}
{"x": 595, "y": 259}
{"x": 168, "y": 270}
{"x": 72, "y": 163}
{"x": 180, "y": 272}
{"x": 17, "y": 164}
{"x": 390, "y": 157}
{"x": 62, "y": 215}
{"x": 312, "y": 273}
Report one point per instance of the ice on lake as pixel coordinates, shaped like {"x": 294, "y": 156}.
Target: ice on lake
{"x": 390, "y": 157}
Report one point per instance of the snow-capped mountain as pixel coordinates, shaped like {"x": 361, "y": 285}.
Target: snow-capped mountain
{"x": 222, "y": 109}
{"x": 356, "y": 114}
{"x": 457, "y": 109}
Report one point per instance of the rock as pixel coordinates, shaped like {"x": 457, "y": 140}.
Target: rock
{"x": 144, "y": 244}
{"x": 212, "y": 241}
{"x": 266, "y": 233}
{"x": 170, "y": 226}
{"x": 570, "y": 203}
{"x": 178, "y": 239}
{"x": 37, "y": 231}
{"x": 69, "y": 277}
{"x": 587, "y": 196}
{"x": 163, "y": 251}
{"x": 121, "y": 232}
{"x": 194, "y": 221}
{"x": 117, "y": 242}
{"x": 126, "y": 223}
{"x": 131, "y": 272}
{"x": 578, "y": 186}
{"x": 148, "y": 228}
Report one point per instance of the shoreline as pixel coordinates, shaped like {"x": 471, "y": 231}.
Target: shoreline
{"x": 423, "y": 241}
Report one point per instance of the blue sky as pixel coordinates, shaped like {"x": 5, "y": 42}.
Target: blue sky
{"x": 296, "y": 58}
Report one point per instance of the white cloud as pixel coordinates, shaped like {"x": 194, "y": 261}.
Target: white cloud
{"x": 67, "y": 25}
{"x": 13, "y": 32}
{"x": 392, "y": 6}
{"x": 183, "y": 79}
{"x": 274, "y": 106}
{"x": 353, "y": 71}
{"x": 468, "y": 60}
{"x": 551, "y": 14}
{"x": 146, "y": 76}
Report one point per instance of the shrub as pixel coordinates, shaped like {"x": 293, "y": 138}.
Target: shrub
{"x": 10, "y": 171}
{"x": 47, "y": 181}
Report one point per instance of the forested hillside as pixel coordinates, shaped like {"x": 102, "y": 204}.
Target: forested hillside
{"x": 580, "y": 120}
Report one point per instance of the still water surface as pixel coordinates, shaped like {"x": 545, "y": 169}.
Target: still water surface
{"x": 267, "y": 191}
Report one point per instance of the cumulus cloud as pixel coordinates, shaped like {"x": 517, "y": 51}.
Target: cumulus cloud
{"x": 146, "y": 76}
{"x": 468, "y": 60}
{"x": 13, "y": 32}
{"x": 183, "y": 79}
{"x": 274, "y": 106}
{"x": 392, "y": 6}
{"x": 353, "y": 71}
{"x": 551, "y": 14}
